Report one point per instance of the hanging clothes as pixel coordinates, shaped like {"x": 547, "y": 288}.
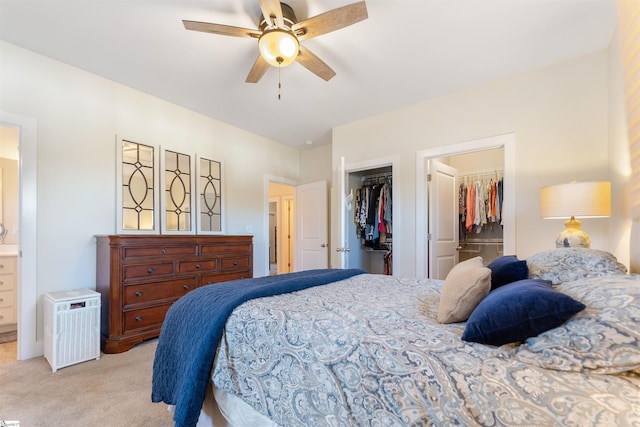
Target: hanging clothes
{"x": 372, "y": 213}
{"x": 480, "y": 201}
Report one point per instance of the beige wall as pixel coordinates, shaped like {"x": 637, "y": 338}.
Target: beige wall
{"x": 78, "y": 116}
{"x": 619, "y": 157}
{"x": 559, "y": 115}
{"x": 315, "y": 164}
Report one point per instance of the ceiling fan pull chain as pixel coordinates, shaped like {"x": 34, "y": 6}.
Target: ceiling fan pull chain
{"x": 279, "y": 84}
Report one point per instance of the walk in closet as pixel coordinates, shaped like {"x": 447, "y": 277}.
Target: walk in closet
{"x": 370, "y": 222}
{"x": 480, "y": 201}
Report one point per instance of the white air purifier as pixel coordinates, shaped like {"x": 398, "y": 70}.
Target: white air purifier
{"x": 72, "y": 327}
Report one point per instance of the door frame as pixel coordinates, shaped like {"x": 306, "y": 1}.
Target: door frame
{"x": 265, "y": 210}
{"x": 28, "y": 345}
{"x": 505, "y": 141}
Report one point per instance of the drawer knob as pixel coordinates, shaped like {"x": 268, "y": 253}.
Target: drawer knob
{"x": 1, "y": 299}
{"x": 164, "y": 251}
{"x": 138, "y": 294}
{"x": 186, "y": 286}
{"x": 1, "y": 266}
{"x": 235, "y": 262}
{"x": 1, "y": 317}
{"x": 1, "y": 283}
{"x": 150, "y": 270}
{"x": 209, "y": 283}
{"x": 197, "y": 265}
{"x": 138, "y": 319}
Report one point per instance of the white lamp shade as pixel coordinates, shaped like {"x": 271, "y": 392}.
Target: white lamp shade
{"x": 576, "y": 199}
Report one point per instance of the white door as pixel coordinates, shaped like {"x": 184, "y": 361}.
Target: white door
{"x": 443, "y": 219}
{"x": 312, "y": 219}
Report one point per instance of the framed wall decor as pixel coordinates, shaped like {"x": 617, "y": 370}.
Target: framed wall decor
{"x": 164, "y": 191}
{"x": 176, "y": 192}
{"x": 209, "y": 202}
{"x": 136, "y": 187}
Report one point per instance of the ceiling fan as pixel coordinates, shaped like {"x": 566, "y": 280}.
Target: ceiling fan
{"x": 279, "y": 35}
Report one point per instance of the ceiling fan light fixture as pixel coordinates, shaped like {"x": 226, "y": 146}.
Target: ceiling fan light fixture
{"x": 278, "y": 47}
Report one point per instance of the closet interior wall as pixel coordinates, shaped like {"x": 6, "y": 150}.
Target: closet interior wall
{"x": 375, "y": 254}
{"x": 480, "y": 230}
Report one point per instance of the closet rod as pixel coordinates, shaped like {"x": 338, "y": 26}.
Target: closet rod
{"x": 486, "y": 172}
{"x": 378, "y": 175}
{"x": 483, "y": 242}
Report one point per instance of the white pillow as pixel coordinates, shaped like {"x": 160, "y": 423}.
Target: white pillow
{"x": 464, "y": 287}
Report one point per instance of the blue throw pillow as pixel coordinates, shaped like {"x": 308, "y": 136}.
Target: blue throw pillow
{"x": 518, "y": 311}
{"x": 507, "y": 269}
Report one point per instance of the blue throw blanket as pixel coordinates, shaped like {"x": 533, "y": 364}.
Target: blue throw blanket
{"x": 193, "y": 327}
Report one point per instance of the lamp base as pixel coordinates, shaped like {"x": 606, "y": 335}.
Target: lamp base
{"x": 572, "y": 236}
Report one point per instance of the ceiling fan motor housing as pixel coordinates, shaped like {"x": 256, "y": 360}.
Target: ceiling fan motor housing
{"x": 288, "y": 16}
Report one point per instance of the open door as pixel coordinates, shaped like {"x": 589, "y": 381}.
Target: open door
{"x": 312, "y": 227}
{"x": 442, "y": 222}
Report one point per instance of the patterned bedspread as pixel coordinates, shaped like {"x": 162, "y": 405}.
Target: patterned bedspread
{"x": 367, "y": 351}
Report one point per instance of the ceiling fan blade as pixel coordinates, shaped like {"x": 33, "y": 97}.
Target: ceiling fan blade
{"x": 330, "y": 21}
{"x": 258, "y": 70}
{"x": 272, "y": 8}
{"x": 225, "y": 30}
{"x": 311, "y": 62}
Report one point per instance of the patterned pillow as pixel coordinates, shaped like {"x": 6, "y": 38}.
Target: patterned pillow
{"x": 604, "y": 338}
{"x": 568, "y": 264}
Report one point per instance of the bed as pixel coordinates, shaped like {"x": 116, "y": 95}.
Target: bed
{"x": 373, "y": 350}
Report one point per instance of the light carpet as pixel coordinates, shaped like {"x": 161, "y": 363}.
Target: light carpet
{"x": 112, "y": 391}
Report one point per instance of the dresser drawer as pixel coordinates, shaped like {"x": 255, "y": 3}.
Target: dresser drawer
{"x": 145, "y": 317}
{"x": 158, "y": 251}
{"x": 7, "y": 282}
{"x": 172, "y": 289}
{"x": 235, "y": 263}
{"x": 7, "y": 265}
{"x": 212, "y": 279}
{"x": 7, "y": 299}
{"x": 227, "y": 249}
{"x": 138, "y": 271}
{"x": 7, "y": 315}
{"x": 194, "y": 266}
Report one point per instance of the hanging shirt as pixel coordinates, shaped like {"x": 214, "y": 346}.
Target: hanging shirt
{"x": 471, "y": 206}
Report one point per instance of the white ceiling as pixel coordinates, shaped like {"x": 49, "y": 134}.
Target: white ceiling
{"x": 406, "y": 51}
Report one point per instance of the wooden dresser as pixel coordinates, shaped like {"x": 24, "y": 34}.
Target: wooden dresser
{"x": 140, "y": 276}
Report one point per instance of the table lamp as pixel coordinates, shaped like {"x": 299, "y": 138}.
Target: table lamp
{"x": 575, "y": 199}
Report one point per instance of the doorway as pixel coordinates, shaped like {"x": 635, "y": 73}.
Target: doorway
{"x": 505, "y": 142}
{"x": 465, "y": 196}
{"x": 27, "y": 343}
{"x": 281, "y": 222}
{"x": 353, "y": 253}
{"x": 9, "y": 192}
